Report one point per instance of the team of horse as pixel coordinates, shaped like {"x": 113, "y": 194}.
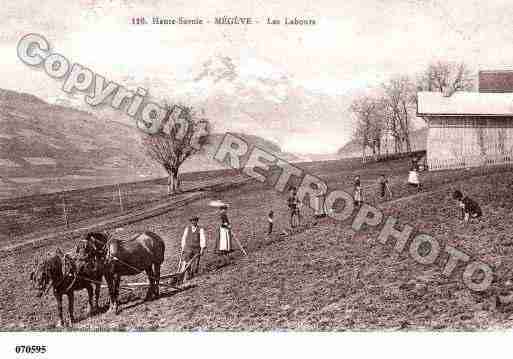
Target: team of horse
{"x": 99, "y": 256}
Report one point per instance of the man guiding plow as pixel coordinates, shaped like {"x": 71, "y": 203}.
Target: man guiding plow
{"x": 193, "y": 246}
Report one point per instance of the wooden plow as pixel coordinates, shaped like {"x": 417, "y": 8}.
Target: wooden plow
{"x": 172, "y": 280}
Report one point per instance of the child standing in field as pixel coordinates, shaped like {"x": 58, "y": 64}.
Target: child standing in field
{"x": 384, "y": 187}
{"x": 469, "y": 207}
{"x": 270, "y": 218}
{"x": 358, "y": 197}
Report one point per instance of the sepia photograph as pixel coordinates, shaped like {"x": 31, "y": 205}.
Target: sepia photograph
{"x": 287, "y": 170}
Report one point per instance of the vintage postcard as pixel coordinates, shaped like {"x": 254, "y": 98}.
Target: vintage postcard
{"x": 251, "y": 166}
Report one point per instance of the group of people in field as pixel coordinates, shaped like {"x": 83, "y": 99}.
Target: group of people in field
{"x": 194, "y": 240}
{"x": 469, "y": 207}
{"x": 384, "y": 192}
{"x": 101, "y": 255}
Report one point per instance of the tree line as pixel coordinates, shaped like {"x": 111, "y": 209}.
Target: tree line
{"x": 387, "y": 115}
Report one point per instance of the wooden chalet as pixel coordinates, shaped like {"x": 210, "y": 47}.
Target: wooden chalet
{"x": 468, "y": 129}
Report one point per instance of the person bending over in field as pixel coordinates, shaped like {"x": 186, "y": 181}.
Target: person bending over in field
{"x": 469, "y": 207}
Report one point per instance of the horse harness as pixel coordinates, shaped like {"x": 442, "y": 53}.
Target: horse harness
{"x": 64, "y": 277}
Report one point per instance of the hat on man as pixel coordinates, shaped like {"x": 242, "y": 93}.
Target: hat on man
{"x": 194, "y": 219}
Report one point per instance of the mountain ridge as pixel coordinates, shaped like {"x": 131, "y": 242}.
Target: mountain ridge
{"x": 48, "y": 148}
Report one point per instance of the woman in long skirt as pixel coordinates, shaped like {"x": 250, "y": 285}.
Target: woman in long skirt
{"x": 358, "y": 196}
{"x": 413, "y": 179}
{"x": 224, "y": 240}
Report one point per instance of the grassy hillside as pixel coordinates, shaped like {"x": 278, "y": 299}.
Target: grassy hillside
{"x": 49, "y": 148}
{"x": 46, "y": 148}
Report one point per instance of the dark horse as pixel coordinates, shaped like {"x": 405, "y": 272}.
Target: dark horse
{"x": 117, "y": 258}
{"x": 144, "y": 252}
{"x": 59, "y": 271}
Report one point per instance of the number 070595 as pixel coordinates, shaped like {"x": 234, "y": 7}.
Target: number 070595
{"x": 30, "y": 349}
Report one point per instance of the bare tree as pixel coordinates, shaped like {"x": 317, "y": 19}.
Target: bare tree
{"x": 446, "y": 77}
{"x": 390, "y": 126}
{"x": 178, "y": 139}
{"x": 369, "y": 124}
{"x": 399, "y": 98}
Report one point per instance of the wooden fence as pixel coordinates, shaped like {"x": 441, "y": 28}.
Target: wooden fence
{"x": 437, "y": 164}
{"x": 393, "y": 156}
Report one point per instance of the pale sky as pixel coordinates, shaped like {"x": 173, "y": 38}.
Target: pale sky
{"x": 293, "y": 83}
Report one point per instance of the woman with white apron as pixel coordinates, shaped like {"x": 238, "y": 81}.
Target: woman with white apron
{"x": 224, "y": 240}
{"x": 413, "y": 179}
{"x": 319, "y": 205}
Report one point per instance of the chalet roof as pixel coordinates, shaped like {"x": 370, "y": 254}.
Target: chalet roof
{"x": 465, "y": 103}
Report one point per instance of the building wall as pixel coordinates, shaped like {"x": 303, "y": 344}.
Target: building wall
{"x": 496, "y": 81}
{"x": 468, "y": 142}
